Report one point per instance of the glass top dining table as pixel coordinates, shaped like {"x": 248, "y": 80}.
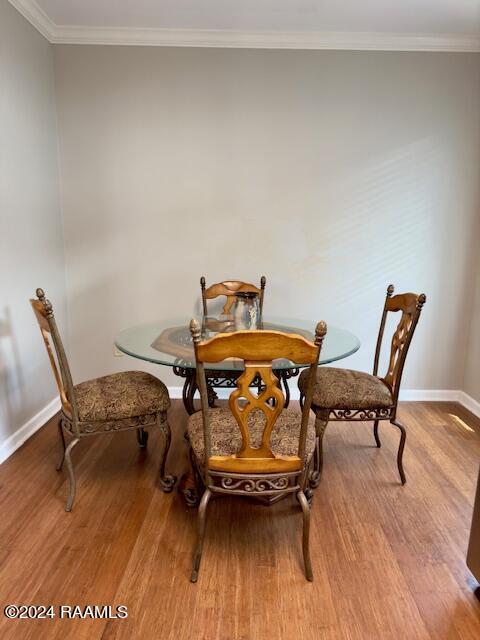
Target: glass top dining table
{"x": 169, "y": 343}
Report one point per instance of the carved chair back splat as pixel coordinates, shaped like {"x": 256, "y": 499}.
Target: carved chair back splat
{"x": 257, "y": 349}
{"x": 229, "y": 288}
{"x": 410, "y": 305}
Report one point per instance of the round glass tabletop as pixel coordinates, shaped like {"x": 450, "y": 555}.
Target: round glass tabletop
{"x": 170, "y": 343}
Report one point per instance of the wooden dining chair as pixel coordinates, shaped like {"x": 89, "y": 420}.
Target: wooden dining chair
{"x": 117, "y": 402}
{"x": 254, "y": 447}
{"x": 219, "y": 379}
{"x": 346, "y": 395}
{"x": 229, "y": 288}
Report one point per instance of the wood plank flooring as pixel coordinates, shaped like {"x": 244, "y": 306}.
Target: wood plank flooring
{"x": 388, "y": 561}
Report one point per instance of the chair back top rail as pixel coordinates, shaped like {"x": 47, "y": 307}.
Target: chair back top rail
{"x": 410, "y": 305}
{"x": 229, "y": 288}
{"x": 257, "y": 346}
{"x": 258, "y": 349}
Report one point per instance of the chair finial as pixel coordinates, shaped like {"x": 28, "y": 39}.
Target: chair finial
{"x": 320, "y": 332}
{"x": 390, "y": 290}
{"x": 422, "y": 298}
{"x": 263, "y": 282}
{"x": 202, "y": 282}
{"x": 195, "y": 330}
{"x": 47, "y": 305}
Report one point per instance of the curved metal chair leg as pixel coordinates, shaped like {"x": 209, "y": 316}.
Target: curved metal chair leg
{"x": 142, "y": 437}
{"x": 375, "y": 433}
{"x": 202, "y": 512}
{"x": 306, "y": 535}
{"x": 166, "y": 480}
{"x": 401, "y": 447}
{"x": 62, "y": 440}
{"x": 71, "y": 475}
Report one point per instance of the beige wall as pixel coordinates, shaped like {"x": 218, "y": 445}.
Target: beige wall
{"x": 472, "y": 367}
{"x": 334, "y": 173}
{"x": 31, "y": 242}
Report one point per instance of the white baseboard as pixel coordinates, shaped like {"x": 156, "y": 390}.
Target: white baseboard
{"x": 442, "y": 395}
{"x": 469, "y": 403}
{"x": 407, "y": 395}
{"x": 13, "y": 442}
{"x": 175, "y": 392}
{"x": 429, "y": 395}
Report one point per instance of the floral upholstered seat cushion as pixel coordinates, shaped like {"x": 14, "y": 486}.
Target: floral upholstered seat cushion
{"x": 347, "y": 389}
{"x": 121, "y": 395}
{"x": 226, "y": 438}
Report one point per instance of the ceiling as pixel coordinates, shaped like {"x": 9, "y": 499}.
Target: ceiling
{"x": 370, "y": 24}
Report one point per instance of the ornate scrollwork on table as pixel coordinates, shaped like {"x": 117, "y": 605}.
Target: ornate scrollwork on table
{"x": 286, "y": 374}
{"x": 182, "y": 372}
{"x": 223, "y": 379}
{"x": 382, "y": 413}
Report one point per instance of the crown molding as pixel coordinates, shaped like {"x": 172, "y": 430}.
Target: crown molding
{"x": 345, "y": 41}
{"x": 264, "y": 39}
{"x": 36, "y": 16}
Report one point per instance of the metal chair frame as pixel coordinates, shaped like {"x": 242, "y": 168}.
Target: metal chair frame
{"x": 410, "y": 305}
{"x": 69, "y": 417}
{"x": 254, "y": 471}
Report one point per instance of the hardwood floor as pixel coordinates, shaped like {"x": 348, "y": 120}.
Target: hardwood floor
{"x": 388, "y": 561}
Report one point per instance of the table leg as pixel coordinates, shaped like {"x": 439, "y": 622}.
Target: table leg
{"x": 212, "y": 394}
{"x": 189, "y": 387}
{"x": 284, "y": 376}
